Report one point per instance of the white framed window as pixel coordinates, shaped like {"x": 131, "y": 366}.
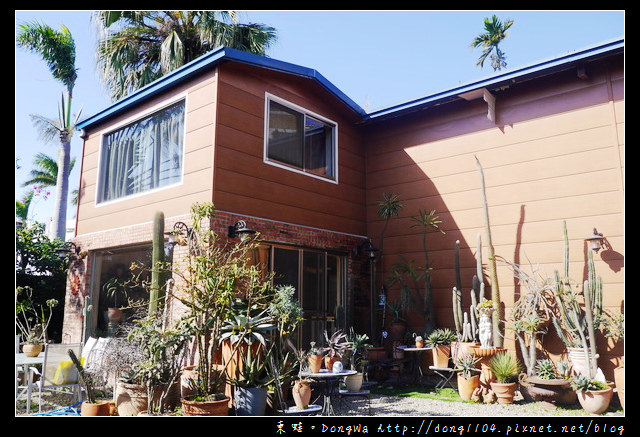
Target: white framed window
{"x": 144, "y": 155}
{"x": 300, "y": 140}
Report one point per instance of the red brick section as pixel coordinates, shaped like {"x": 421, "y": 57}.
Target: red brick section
{"x": 271, "y": 232}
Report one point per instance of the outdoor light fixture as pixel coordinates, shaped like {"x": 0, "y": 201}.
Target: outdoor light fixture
{"x": 240, "y": 229}
{"x": 366, "y": 246}
{"x": 596, "y": 241}
{"x": 69, "y": 249}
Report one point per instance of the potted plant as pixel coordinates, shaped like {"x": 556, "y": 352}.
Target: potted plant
{"x": 314, "y": 358}
{"x": 112, "y": 291}
{"x": 358, "y": 342}
{"x": 467, "y": 380}
{"x": 398, "y": 325}
{"x": 214, "y": 276}
{"x": 418, "y": 340}
{"x": 440, "y": 340}
{"x": 334, "y": 348}
{"x": 32, "y": 321}
{"x": 90, "y": 407}
{"x": 594, "y": 396}
{"x": 250, "y": 384}
{"x": 159, "y": 369}
{"x": 551, "y": 383}
{"x": 505, "y": 368}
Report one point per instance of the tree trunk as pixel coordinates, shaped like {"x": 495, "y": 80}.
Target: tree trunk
{"x": 59, "y": 223}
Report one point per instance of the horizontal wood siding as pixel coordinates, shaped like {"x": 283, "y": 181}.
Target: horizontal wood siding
{"x": 197, "y": 183}
{"x": 554, "y": 154}
{"x": 245, "y": 184}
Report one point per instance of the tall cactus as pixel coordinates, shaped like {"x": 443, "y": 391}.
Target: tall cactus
{"x": 496, "y": 317}
{"x": 576, "y": 324}
{"x": 467, "y": 323}
{"x": 157, "y": 258}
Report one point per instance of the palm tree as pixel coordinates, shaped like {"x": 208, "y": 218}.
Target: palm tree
{"x": 58, "y": 50}
{"x": 137, "y": 47}
{"x": 45, "y": 174}
{"x": 495, "y": 32}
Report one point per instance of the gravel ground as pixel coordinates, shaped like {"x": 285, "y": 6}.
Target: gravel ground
{"x": 384, "y": 405}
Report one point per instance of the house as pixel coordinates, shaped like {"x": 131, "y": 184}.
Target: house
{"x": 279, "y": 147}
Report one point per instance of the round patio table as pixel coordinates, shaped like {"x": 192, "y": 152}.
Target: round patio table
{"x": 415, "y": 357}
{"x": 330, "y": 380}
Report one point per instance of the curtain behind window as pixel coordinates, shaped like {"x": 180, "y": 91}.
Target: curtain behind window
{"x": 144, "y": 155}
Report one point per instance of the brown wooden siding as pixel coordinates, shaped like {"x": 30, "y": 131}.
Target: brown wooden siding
{"x": 245, "y": 184}
{"x": 197, "y": 172}
{"x": 554, "y": 154}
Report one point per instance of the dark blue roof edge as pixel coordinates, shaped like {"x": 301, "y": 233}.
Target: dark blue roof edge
{"x": 499, "y": 80}
{"x": 225, "y": 53}
{"x": 210, "y": 59}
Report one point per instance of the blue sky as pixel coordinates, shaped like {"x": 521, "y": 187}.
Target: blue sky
{"x": 377, "y": 58}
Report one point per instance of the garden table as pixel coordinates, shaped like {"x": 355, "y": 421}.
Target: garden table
{"x": 25, "y": 362}
{"x": 330, "y": 380}
{"x": 415, "y": 357}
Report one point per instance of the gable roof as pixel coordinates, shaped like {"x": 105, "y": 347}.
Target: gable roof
{"x": 226, "y": 54}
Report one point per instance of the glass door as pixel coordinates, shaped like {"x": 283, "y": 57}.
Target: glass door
{"x": 318, "y": 279}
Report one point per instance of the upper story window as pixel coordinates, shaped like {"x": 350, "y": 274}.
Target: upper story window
{"x": 300, "y": 140}
{"x": 142, "y": 156}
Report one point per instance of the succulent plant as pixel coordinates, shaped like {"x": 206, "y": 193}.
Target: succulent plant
{"x": 441, "y": 337}
{"x": 505, "y": 367}
{"x": 563, "y": 369}
{"x": 582, "y": 383}
{"x": 545, "y": 369}
{"x": 465, "y": 364}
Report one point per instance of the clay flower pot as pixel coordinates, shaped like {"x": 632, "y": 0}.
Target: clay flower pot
{"x": 595, "y": 401}
{"x": 353, "y": 383}
{"x": 205, "y": 408}
{"x": 618, "y": 376}
{"x": 32, "y": 350}
{"x": 98, "y": 409}
{"x": 504, "y": 391}
{"x": 466, "y": 386}
{"x": 315, "y": 363}
{"x": 329, "y": 361}
{"x": 441, "y": 356}
{"x": 301, "y": 392}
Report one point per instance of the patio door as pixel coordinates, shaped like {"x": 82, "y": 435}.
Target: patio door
{"x": 113, "y": 265}
{"x": 318, "y": 277}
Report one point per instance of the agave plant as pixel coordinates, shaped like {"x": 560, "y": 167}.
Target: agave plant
{"x": 545, "y": 369}
{"x": 247, "y": 328}
{"x": 582, "y": 383}
{"x": 465, "y": 364}
{"x": 336, "y": 344}
{"x": 441, "y": 337}
{"x": 505, "y": 367}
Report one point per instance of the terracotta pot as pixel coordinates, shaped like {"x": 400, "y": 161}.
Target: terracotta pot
{"x": 315, "y": 363}
{"x": 131, "y": 399}
{"x": 376, "y": 353}
{"x": 328, "y": 362}
{"x": 353, "y": 383}
{"x": 397, "y": 330}
{"x": 579, "y": 360}
{"x": 595, "y": 401}
{"x": 466, "y": 386}
{"x": 301, "y": 392}
{"x": 419, "y": 344}
{"x": 205, "y": 408}
{"x": 32, "y": 350}
{"x": 618, "y": 376}
{"x": 459, "y": 348}
{"x": 114, "y": 315}
{"x": 504, "y": 391}
{"x": 441, "y": 356}
{"x": 97, "y": 409}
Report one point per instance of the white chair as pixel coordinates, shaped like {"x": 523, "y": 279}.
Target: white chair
{"x": 58, "y": 372}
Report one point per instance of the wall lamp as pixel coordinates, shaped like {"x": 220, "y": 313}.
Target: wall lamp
{"x": 367, "y": 247}
{"x": 240, "y": 229}
{"x": 70, "y": 250}
{"x": 180, "y": 234}
{"x": 595, "y": 241}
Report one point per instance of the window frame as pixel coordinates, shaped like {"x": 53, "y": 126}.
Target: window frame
{"x": 304, "y": 112}
{"x": 129, "y": 121}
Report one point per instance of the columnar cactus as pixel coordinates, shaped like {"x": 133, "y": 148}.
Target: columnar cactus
{"x": 467, "y": 323}
{"x": 157, "y": 258}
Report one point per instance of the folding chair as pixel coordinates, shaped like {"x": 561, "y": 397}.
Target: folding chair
{"x": 445, "y": 375}
{"x": 58, "y": 372}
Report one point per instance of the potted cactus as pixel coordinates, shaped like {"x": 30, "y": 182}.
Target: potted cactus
{"x": 440, "y": 340}
{"x": 334, "y": 348}
{"x": 594, "y": 396}
{"x": 468, "y": 381}
{"x": 505, "y": 368}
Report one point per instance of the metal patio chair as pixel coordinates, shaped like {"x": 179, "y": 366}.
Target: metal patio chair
{"x": 58, "y": 373}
